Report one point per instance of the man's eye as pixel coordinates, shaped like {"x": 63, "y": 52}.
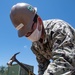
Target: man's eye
{"x": 28, "y": 34}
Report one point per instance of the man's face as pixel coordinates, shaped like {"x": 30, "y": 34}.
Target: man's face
{"x": 31, "y": 31}
{"x": 35, "y": 33}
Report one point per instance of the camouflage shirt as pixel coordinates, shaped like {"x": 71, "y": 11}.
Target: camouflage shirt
{"x": 58, "y": 45}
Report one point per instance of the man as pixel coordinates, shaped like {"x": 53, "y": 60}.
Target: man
{"x": 51, "y": 39}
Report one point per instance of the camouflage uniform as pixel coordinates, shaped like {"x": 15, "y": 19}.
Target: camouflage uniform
{"x": 58, "y": 45}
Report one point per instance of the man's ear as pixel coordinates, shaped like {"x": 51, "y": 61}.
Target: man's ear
{"x": 40, "y": 20}
{"x": 39, "y": 23}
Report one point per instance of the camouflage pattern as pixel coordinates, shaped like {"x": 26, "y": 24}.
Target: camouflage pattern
{"x": 58, "y": 45}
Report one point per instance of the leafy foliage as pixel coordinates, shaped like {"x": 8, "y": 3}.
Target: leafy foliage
{"x": 3, "y": 70}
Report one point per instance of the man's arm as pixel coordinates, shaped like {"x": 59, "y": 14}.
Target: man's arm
{"x": 42, "y": 61}
{"x": 42, "y": 66}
